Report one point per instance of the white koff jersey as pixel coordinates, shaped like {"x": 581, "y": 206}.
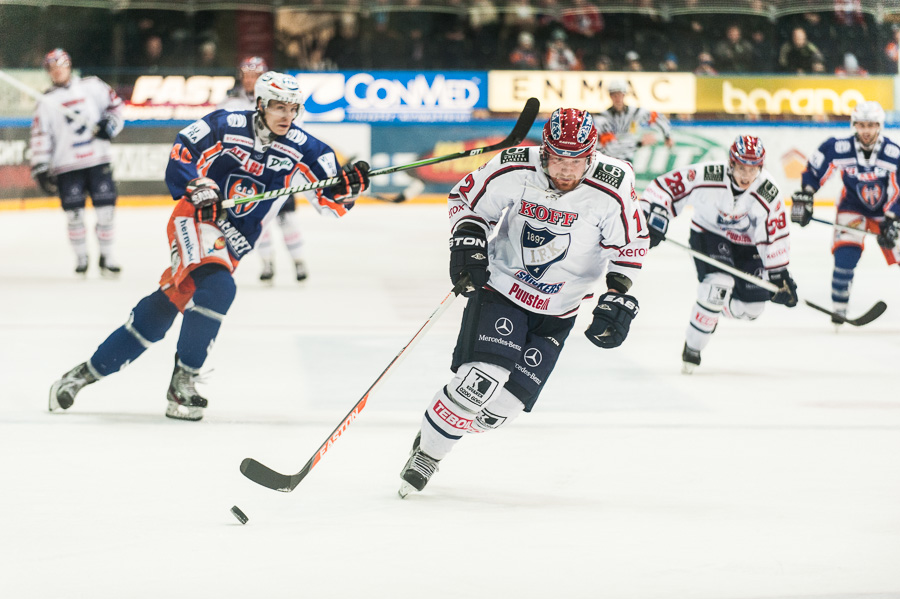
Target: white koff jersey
{"x": 755, "y": 217}
{"x": 625, "y": 126}
{"x": 547, "y": 249}
{"x": 68, "y": 145}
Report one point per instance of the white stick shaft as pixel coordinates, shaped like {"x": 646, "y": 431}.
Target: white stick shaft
{"x": 725, "y": 267}
{"x": 38, "y": 96}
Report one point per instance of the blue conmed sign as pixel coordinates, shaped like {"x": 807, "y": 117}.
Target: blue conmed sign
{"x": 393, "y": 96}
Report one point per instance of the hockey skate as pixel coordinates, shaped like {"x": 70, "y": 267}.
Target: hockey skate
{"x": 690, "y": 359}
{"x": 301, "y": 270}
{"x": 418, "y": 470}
{"x": 63, "y": 391}
{"x": 268, "y": 272}
{"x": 81, "y": 265}
{"x": 838, "y": 318}
{"x": 184, "y": 401}
{"x": 108, "y": 268}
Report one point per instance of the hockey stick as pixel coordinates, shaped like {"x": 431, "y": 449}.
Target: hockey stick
{"x": 517, "y": 135}
{"x": 844, "y": 227}
{"x": 870, "y": 315}
{"x": 38, "y": 96}
{"x": 265, "y": 476}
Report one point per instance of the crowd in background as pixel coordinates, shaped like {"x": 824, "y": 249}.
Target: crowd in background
{"x": 479, "y": 36}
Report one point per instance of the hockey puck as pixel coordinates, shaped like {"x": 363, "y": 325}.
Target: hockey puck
{"x": 241, "y": 516}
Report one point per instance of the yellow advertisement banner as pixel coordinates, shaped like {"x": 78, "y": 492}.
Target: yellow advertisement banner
{"x": 663, "y": 92}
{"x": 793, "y": 96}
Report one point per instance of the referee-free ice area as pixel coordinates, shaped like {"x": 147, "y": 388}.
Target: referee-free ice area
{"x": 773, "y": 472}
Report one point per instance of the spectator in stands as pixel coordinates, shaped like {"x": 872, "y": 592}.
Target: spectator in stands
{"x": 209, "y": 58}
{"x": 734, "y": 54}
{"x": 705, "y": 65}
{"x": 559, "y": 56}
{"x": 343, "y": 49}
{"x": 669, "y": 63}
{"x": 763, "y": 60}
{"x": 797, "y": 56}
{"x": 152, "y": 58}
{"x": 604, "y": 63}
{"x": 633, "y": 61}
{"x": 892, "y": 51}
{"x": 851, "y": 67}
{"x": 583, "y": 22}
{"x": 525, "y": 55}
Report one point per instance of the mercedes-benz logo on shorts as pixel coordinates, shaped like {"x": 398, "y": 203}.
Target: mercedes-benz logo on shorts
{"x": 533, "y": 357}
{"x": 504, "y": 326}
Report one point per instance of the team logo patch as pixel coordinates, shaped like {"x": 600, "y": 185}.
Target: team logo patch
{"x": 274, "y": 163}
{"x": 514, "y": 155}
{"x": 691, "y": 174}
{"x": 533, "y": 357}
{"x": 236, "y": 120}
{"x": 487, "y": 420}
{"x": 767, "y": 191}
{"x": 329, "y": 164}
{"x": 541, "y": 248}
{"x": 477, "y": 387}
{"x": 238, "y": 187}
{"x": 504, "y": 326}
{"x": 609, "y": 174}
{"x": 870, "y": 194}
{"x": 219, "y": 244}
{"x": 733, "y": 222}
{"x": 714, "y": 172}
{"x": 196, "y": 131}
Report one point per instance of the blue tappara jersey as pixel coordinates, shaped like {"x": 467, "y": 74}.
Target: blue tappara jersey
{"x": 222, "y": 146}
{"x": 870, "y": 184}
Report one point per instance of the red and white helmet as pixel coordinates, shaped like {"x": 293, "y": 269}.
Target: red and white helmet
{"x": 748, "y": 150}
{"x": 570, "y": 133}
{"x": 254, "y": 64}
{"x": 279, "y": 87}
{"x": 57, "y": 56}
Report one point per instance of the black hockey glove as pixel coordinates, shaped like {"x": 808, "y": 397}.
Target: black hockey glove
{"x": 801, "y": 207}
{"x": 41, "y": 174}
{"x": 204, "y": 194}
{"x": 354, "y": 180}
{"x": 468, "y": 255}
{"x": 104, "y": 128}
{"x": 612, "y": 319}
{"x": 787, "y": 295}
{"x": 890, "y": 230}
{"x": 657, "y": 224}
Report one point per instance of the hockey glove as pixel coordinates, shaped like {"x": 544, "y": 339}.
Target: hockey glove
{"x": 468, "y": 255}
{"x": 612, "y": 319}
{"x": 204, "y": 194}
{"x": 787, "y": 295}
{"x": 657, "y": 224}
{"x": 354, "y": 180}
{"x": 801, "y": 207}
{"x": 890, "y": 230}
{"x": 41, "y": 174}
{"x": 104, "y": 129}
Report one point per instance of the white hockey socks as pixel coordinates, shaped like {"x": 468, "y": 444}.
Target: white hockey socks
{"x": 77, "y": 233}
{"x": 293, "y": 238}
{"x": 454, "y": 408}
{"x": 713, "y": 295}
{"x": 502, "y": 410}
{"x": 106, "y": 233}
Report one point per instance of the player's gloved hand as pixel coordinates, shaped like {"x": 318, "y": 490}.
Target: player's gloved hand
{"x": 104, "y": 128}
{"x": 657, "y": 224}
{"x": 468, "y": 255}
{"x": 890, "y": 230}
{"x": 41, "y": 174}
{"x": 354, "y": 180}
{"x": 787, "y": 295}
{"x": 801, "y": 207}
{"x": 612, "y": 319}
{"x": 206, "y": 197}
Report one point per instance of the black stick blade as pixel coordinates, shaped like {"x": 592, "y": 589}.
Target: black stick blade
{"x": 525, "y": 121}
{"x": 265, "y": 476}
{"x": 873, "y": 313}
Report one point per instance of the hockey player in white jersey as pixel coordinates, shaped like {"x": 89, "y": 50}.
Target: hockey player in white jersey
{"x": 620, "y": 125}
{"x": 72, "y": 157}
{"x": 740, "y": 220}
{"x": 242, "y": 97}
{"x": 560, "y": 217}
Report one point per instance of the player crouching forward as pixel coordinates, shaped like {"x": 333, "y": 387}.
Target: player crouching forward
{"x": 562, "y": 216}
{"x": 246, "y": 153}
{"x": 739, "y": 220}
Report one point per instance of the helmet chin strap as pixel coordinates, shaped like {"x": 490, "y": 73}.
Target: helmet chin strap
{"x": 263, "y": 133}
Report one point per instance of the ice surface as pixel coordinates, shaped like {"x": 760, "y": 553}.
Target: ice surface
{"x": 772, "y": 472}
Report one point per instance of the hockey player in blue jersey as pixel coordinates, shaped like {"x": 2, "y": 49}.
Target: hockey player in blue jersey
{"x": 223, "y": 155}
{"x": 868, "y": 163}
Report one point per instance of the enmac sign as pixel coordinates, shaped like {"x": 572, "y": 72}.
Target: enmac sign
{"x": 797, "y": 96}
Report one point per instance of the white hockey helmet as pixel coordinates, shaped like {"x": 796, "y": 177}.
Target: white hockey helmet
{"x": 867, "y": 112}
{"x": 279, "y": 87}
{"x": 618, "y": 86}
